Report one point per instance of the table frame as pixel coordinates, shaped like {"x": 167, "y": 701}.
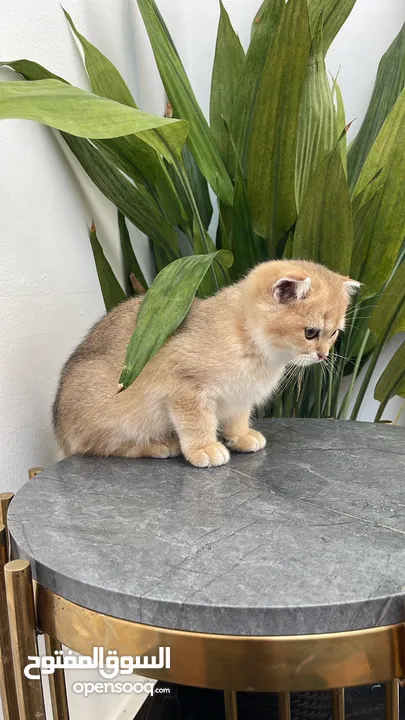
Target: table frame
{"x": 281, "y": 664}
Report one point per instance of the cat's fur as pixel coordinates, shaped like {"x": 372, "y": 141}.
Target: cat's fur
{"x": 228, "y": 355}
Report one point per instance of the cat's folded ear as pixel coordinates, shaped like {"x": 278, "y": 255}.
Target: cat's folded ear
{"x": 351, "y": 286}
{"x": 289, "y": 289}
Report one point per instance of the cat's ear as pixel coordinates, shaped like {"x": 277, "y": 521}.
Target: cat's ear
{"x": 351, "y": 286}
{"x": 288, "y": 290}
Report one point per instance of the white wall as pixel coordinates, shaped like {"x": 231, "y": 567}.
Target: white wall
{"x": 49, "y": 292}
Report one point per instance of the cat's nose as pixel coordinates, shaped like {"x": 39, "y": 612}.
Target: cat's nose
{"x": 321, "y": 356}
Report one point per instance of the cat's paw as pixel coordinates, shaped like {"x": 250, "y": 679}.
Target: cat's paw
{"x": 251, "y": 442}
{"x": 174, "y": 446}
{"x": 209, "y": 456}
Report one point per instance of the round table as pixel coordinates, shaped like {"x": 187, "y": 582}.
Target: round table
{"x": 281, "y": 571}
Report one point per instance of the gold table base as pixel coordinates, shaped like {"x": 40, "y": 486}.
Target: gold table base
{"x": 231, "y": 663}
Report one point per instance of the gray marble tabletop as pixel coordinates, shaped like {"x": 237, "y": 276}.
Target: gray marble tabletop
{"x": 307, "y": 536}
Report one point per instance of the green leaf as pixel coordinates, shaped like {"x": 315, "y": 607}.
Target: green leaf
{"x": 131, "y": 265}
{"x": 390, "y": 82}
{"x": 31, "y": 70}
{"x": 324, "y": 230}
{"x": 340, "y": 122}
{"x": 389, "y": 316}
{"x": 244, "y": 104}
{"x": 335, "y": 14}
{"x": 134, "y": 202}
{"x": 388, "y": 231}
{"x": 165, "y": 306}
{"x": 316, "y": 130}
{"x": 83, "y": 114}
{"x": 392, "y": 381}
{"x": 112, "y": 291}
{"x": 364, "y": 217}
{"x": 272, "y": 153}
{"x": 104, "y": 76}
{"x": 184, "y": 103}
{"x": 199, "y": 187}
{"x": 242, "y": 239}
{"x": 228, "y": 63}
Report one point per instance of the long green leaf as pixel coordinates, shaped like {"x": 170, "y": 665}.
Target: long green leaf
{"x": 272, "y": 154}
{"x": 244, "y": 104}
{"x": 182, "y": 98}
{"x": 324, "y": 230}
{"x": 389, "y": 316}
{"x": 316, "y": 130}
{"x": 364, "y": 217}
{"x": 340, "y": 122}
{"x": 83, "y": 114}
{"x": 388, "y": 231}
{"x": 390, "y": 82}
{"x": 131, "y": 265}
{"x": 165, "y": 306}
{"x": 242, "y": 238}
{"x": 112, "y": 291}
{"x": 199, "y": 187}
{"x": 335, "y": 14}
{"x": 135, "y": 203}
{"x": 104, "y": 76}
{"x": 392, "y": 380}
{"x": 134, "y": 157}
{"x": 228, "y": 63}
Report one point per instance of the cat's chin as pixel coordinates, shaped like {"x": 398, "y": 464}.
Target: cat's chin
{"x": 305, "y": 361}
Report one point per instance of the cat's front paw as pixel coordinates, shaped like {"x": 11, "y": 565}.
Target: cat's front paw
{"x": 208, "y": 456}
{"x": 252, "y": 441}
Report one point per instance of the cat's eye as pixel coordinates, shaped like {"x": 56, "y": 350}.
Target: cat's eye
{"x": 311, "y": 333}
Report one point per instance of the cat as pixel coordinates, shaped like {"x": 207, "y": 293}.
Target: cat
{"x": 228, "y": 356}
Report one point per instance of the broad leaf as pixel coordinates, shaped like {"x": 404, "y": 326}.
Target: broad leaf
{"x": 324, "y": 230}
{"x": 266, "y": 24}
{"x": 112, "y": 291}
{"x": 392, "y": 381}
{"x": 135, "y": 203}
{"x": 83, "y": 114}
{"x": 228, "y": 63}
{"x": 199, "y": 187}
{"x": 335, "y": 14}
{"x": 271, "y": 171}
{"x": 131, "y": 265}
{"x": 388, "y": 231}
{"x": 165, "y": 306}
{"x": 184, "y": 103}
{"x": 316, "y": 130}
{"x": 104, "y": 76}
{"x": 390, "y": 82}
{"x": 364, "y": 218}
{"x": 389, "y": 316}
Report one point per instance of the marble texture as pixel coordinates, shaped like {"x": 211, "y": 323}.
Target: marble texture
{"x": 307, "y": 536}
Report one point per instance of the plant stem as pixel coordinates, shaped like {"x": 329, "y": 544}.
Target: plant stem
{"x": 318, "y": 393}
{"x": 367, "y": 377}
{"x": 181, "y": 171}
{"x": 346, "y": 400}
{"x": 380, "y": 411}
{"x": 401, "y": 410}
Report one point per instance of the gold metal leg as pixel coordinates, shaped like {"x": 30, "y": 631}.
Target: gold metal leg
{"x": 34, "y": 471}
{"x": 21, "y": 615}
{"x": 338, "y": 704}
{"x": 7, "y": 683}
{"x": 392, "y": 700}
{"x": 284, "y": 706}
{"x": 231, "y": 705}
{"x": 5, "y": 500}
{"x": 57, "y": 684}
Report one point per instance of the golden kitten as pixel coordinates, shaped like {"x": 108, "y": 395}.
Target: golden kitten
{"x": 228, "y": 355}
